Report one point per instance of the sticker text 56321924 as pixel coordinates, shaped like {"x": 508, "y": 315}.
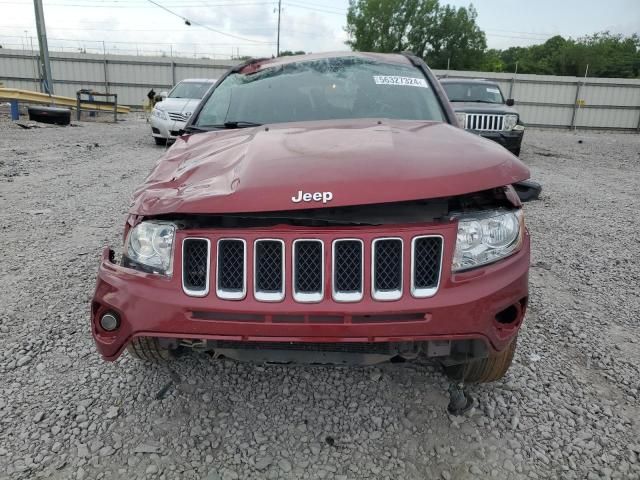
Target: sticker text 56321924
{"x": 401, "y": 81}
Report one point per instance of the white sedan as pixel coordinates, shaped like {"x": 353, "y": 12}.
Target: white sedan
{"x": 170, "y": 115}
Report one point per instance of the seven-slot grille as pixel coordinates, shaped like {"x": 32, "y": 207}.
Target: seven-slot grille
{"x": 484, "y": 122}
{"x": 347, "y": 268}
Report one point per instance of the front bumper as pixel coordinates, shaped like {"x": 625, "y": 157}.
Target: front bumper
{"x": 167, "y": 129}
{"x": 464, "y": 308}
{"x": 510, "y": 140}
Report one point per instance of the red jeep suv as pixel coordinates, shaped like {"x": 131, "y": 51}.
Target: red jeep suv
{"x": 323, "y": 208}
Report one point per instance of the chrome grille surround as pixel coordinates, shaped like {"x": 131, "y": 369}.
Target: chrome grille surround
{"x": 193, "y": 292}
{"x": 425, "y": 292}
{"x": 484, "y": 122}
{"x": 346, "y": 295}
{"x": 308, "y": 296}
{"x": 308, "y": 276}
{"x": 385, "y": 294}
{"x": 177, "y": 117}
{"x": 268, "y": 295}
{"x": 225, "y": 293}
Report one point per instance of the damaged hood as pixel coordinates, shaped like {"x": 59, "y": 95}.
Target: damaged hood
{"x": 338, "y": 163}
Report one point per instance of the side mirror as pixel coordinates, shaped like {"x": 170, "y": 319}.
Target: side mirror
{"x": 510, "y": 102}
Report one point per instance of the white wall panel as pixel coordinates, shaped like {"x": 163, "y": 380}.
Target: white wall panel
{"x": 540, "y": 99}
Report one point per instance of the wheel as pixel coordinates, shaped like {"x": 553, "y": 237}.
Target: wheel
{"x": 160, "y": 140}
{"x": 149, "y": 348}
{"x": 483, "y": 370}
{"x": 516, "y": 152}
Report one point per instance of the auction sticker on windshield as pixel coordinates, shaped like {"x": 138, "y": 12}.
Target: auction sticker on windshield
{"x": 492, "y": 90}
{"x": 402, "y": 81}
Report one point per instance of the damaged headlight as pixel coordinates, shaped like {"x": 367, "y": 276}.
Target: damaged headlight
{"x": 510, "y": 121}
{"x": 149, "y": 247}
{"x": 161, "y": 114}
{"x": 486, "y": 237}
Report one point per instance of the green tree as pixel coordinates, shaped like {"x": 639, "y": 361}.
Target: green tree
{"x": 492, "y": 61}
{"x": 437, "y": 33}
{"x": 606, "y": 54}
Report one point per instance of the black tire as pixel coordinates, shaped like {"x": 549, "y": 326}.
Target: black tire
{"x": 54, "y": 115}
{"x": 516, "y": 152}
{"x": 149, "y": 348}
{"x": 484, "y": 370}
{"x": 160, "y": 140}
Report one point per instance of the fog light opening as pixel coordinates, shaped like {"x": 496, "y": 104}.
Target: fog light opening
{"x": 508, "y": 315}
{"x": 109, "y": 321}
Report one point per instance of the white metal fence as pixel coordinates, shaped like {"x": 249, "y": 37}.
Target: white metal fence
{"x": 559, "y": 101}
{"x": 542, "y": 100}
{"x": 131, "y": 77}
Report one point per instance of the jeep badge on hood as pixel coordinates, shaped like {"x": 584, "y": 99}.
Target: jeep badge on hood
{"x": 312, "y": 197}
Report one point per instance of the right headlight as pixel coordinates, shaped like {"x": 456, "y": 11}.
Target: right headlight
{"x": 149, "y": 247}
{"x": 510, "y": 121}
{"x": 161, "y": 114}
{"x": 462, "y": 119}
{"x": 485, "y": 238}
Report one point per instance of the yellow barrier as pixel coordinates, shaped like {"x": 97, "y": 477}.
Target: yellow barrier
{"x": 37, "y": 97}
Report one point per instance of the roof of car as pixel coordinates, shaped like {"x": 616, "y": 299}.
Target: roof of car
{"x": 199, "y": 80}
{"x": 260, "y": 63}
{"x": 468, "y": 80}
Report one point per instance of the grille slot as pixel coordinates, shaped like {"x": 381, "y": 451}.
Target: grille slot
{"x": 484, "y": 122}
{"x": 387, "y": 269}
{"x": 195, "y": 266}
{"x": 347, "y": 270}
{"x": 269, "y": 270}
{"x": 308, "y": 270}
{"x": 231, "y": 282}
{"x": 426, "y": 258}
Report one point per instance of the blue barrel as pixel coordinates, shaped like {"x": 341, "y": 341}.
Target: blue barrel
{"x": 15, "y": 112}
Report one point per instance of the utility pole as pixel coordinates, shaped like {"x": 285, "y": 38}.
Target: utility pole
{"x": 278, "y": 44}
{"x": 45, "y": 65}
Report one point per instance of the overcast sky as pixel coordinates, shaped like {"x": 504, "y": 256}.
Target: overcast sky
{"x": 248, "y": 27}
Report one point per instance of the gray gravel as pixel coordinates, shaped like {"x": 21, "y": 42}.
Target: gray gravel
{"x": 568, "y": 408}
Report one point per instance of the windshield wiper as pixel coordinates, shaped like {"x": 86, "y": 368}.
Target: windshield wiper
{"x": 240, "y": 124}
{"x": 193, "y": 129}
{"x": 235, "y": 124}
{"x": 473, "y": 101}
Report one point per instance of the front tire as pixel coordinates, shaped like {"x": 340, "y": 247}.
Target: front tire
{"x": 483, "y": 370}
{"x": 149, "y": 349}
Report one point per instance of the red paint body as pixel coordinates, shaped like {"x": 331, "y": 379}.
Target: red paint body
{"x": 361, "y": 162}
{"x": 465, "y": 306}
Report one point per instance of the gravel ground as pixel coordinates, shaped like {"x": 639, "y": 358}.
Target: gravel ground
{"x": 568, "y": 408}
